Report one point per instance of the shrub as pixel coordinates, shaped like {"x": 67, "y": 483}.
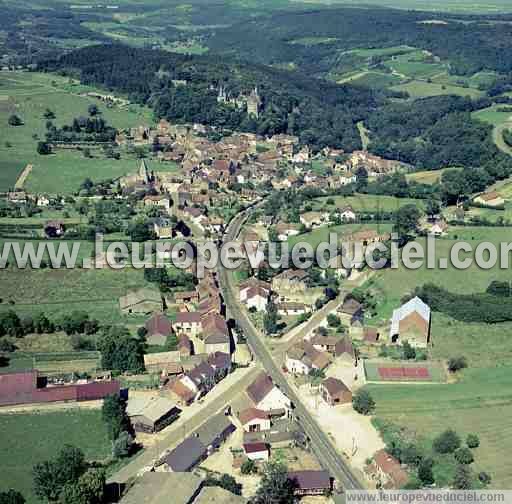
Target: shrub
{"x": 472, "y": 441}
{"x": 484, "y": 478}
{"x": 248, "y": 467}
{"x": 463, "y": 478}
{"x": 15, "y": 120}
{"x": 464, "y": 456}
{"x": 425, "y": 473}
{"x": 457, "y": 363}
{"x": 446, "y": 442}
{"x": 363, "y": 402}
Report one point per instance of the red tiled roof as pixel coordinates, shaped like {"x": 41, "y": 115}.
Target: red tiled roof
{"x": 260, "y": 388}
{"x": 188, "y": 317}
{"x": 158, "y": 323}
{"x": 255, "y": 447}
{"x": 252, "y": 414}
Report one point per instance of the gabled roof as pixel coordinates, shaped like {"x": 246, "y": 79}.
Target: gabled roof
{"x": 252, "y": 414}
{"x": 260, "y": 388}
{"x": 188, "y": 317}
{"x": 310, "y": 480}
{"x": 216, "y": 427}
{"x": 255, "y": 447}
{"x": 158, "y": 323}
{"x": 152, "y": 408}
{"x": 414, "y": 305}
{"x": 334, "y": 386}
{"x": 344, "y": 345}
{"x": 186, "y": 455}
{"x": 155, "y": 488}
{"x": 351, "y": 306}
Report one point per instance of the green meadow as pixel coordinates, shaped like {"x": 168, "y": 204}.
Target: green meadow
{"x": 30, "y": 438}
{"x": 29, "y": 95}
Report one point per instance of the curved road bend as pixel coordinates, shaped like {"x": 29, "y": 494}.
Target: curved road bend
{"x": 322, "y": 445}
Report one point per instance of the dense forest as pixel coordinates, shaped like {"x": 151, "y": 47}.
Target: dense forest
{"x": 319, "y": 112}
{"x": 471, "y": 44}
{"x": 433, "y": 133}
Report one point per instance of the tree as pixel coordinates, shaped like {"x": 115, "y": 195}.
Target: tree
{"x": 120, "y": 352}
{"x": 425, "y": 473}
{"x": 113, "y": 413}
{"x": 406, "y": 221}
{"x": 457, "y": 363}
{"x": 49, "y": 114}
{"x": 464, "y": 456}
{"x": 484, "y": 477}
{"x": 447, "y": 442}
{"x": 89, "y": 489}
{"x": 44, "y": 148}
{"x": 333, "y": 320}
{"x": 52, "y": 475}
{"x": 227, "y": 482}
{"x": 123, "y": 445}
{"x": 248, "y": 467}
{"x": 270, "y": 319}
{"x": 275, "y": 487}
{"x": 363, "y": 402}
{"x": 408, "y": 351}
{"x": 93, "y": 109}
{"x": 432, "y": 207}
{"x": 473, "y": 441}
{"x": 15, "y": 120}
{"x": 463, "y": 478}
{"x": 11, "y": 497}
{"x": 140, "y": 232}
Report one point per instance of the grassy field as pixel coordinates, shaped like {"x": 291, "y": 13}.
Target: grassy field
{"x": 365, "y": 203}
{"x": 481, "y": 398}
{"x": 377, "y": 80}
{"x": 29, "y": 438}
{"x": 58, "y": 292}
{"x": 478, "y": 403}
{"x": 421, "y": 89}
{"x": 321, "y": 234}
{"x": 29, "y": 95}
{"x": 494, "y": 115}
{"x": 425, "y": 177}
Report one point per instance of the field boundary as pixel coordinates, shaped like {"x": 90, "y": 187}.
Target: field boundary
{"x": 20, "y": 182}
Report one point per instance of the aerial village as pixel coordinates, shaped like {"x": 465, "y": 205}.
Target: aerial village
{"x": 211, "y": 407}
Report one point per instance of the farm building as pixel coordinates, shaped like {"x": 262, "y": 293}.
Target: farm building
{"x": 411, "y": 322}
{"x": 310, "y": 482}
{"x": 29, "y": 387}
{"x": 151, "y": 414}
{"x": 158, "y": 328}
{"x": 156, "y": 487}
{"x": 335, "y": 392}
{"x": 142, "y": 301}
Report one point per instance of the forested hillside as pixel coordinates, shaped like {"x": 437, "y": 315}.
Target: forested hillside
{"x": 315, "y": 39}
{"x": 319, "y": 112}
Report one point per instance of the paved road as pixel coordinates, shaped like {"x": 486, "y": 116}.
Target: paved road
{"x": 182, "y": 428}
{"x": 322, "y": 445}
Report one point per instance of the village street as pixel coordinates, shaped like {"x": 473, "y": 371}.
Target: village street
{"x": 191, "y": 418}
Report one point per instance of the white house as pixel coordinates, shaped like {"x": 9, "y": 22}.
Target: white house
{"x": 347, "y": 213}
{"x": 254, "y": 420}
{"x": 256, "y": 451}
{"x": 257, "y": 298}
{"x": 294, "y": 363}
{"x": 291, "y": 308}
{"x": 267, "y": 397}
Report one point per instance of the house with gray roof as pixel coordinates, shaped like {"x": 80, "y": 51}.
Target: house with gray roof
{"x": 411, "y": 322}
{"x": 163, "y": 488}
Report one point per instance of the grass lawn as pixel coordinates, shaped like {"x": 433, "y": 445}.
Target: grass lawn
{"x": 427, "y": 176}
{"x": 29, "y": 438}
{"x": 58, "y": 292}
{"x": 493, "y": 115}
{"x": 377, "y": 80}
{"x": 321, "y": 234}
{"x": 365, "y": 203}
{"x": 29, "y": 95}
{"x": 421, "y": 89}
